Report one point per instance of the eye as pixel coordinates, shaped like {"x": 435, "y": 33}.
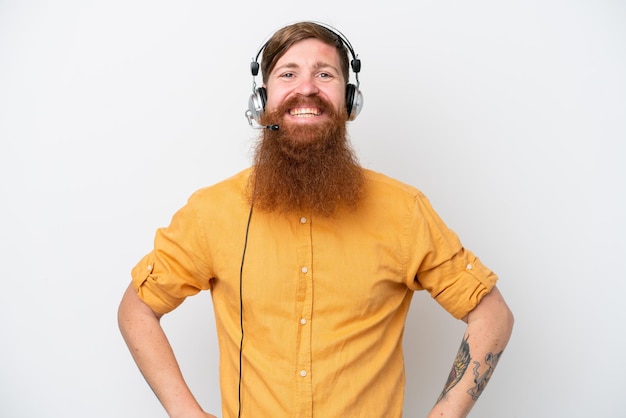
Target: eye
{"x": 287, "y": 75}
{"x": 326, "y": 75}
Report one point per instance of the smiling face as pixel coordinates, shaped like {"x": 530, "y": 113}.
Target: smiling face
{"x": 307, "y": 84}
{"x": 308, "y": 164}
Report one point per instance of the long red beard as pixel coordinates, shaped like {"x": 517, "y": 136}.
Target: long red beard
{"x": 317, "y": 173}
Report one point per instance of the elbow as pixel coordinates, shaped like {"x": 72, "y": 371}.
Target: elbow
{"x": 494, "y": 314}
{"x": 508, "y": 319}
{"x": 503, "y": 321}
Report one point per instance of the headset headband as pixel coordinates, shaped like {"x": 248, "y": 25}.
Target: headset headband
{"x": 355, "y": 63}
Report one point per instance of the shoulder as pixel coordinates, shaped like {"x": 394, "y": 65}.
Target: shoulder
{"x": 228, "y": 195}
{"x": 393, "y": 197}
{"x": 380, "y": 184}
{"x": 231, "y": 186}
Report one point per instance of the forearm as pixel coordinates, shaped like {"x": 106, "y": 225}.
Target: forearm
{"x": 488, "y": 330}
{"x": 152, "y": 352}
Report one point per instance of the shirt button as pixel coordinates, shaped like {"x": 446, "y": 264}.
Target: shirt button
{"x": 469, "y": 267}
{"x": 303, "y": 220}
{"x": 303, "y": 373}
{"x": 303, "y": 321}
{"x": 305, "y": 270}
{"x": 149, "y": 268}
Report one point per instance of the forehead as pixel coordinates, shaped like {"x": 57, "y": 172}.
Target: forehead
{"x": 310, "y": 51}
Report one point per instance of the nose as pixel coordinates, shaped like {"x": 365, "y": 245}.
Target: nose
{"x": 307, "y": 86}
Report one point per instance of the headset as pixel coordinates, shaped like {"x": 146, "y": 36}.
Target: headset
{"x": 258, "y": 99}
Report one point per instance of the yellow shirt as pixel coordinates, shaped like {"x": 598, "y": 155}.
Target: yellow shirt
{"x": 324, "y": 299}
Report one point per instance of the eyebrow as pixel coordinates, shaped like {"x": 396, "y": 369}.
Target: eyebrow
{"x": 318, "y": 65}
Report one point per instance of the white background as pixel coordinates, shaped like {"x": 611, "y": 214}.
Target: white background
{"x": 508, "y": 115}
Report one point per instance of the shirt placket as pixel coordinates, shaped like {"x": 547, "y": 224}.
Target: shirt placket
{"x": 303, "y": 370}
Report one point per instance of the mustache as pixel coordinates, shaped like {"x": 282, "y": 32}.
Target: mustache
{"x": 306, "y": 101}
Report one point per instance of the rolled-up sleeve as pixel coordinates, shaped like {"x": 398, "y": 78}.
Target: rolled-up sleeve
{"x": 452, "y": 274}
{"x": 176, "y": 268}
{"x": 458, "y": 284}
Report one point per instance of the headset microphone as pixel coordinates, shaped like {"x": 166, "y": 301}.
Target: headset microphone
{"x": 270, "y": 127}
{"x": 254, "y": 124}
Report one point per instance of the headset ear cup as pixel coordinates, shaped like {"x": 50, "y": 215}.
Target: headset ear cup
{"x": 350, "y": 99}
{"x": 256, "y": 103}
{"x": 263, "y": 96}
{"x": 354, "y": 101}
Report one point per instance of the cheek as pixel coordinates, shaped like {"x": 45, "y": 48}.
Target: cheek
{"x": 276, "y": 95}
{"x": 274, "y": 100}
{"x": 339, "y": 98}
{"x": 337, "y": 94}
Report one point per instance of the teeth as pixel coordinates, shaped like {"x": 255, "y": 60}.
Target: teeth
{"x": 305, "y": 111}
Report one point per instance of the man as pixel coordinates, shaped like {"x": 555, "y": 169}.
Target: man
{"x": 312, "y": 262}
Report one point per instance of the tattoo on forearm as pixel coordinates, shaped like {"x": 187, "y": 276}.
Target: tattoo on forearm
{"x": 461, "y": 362}
{"x": 491, "y": 360}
